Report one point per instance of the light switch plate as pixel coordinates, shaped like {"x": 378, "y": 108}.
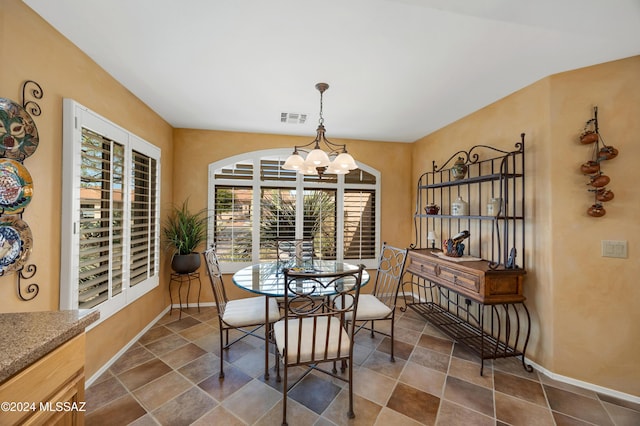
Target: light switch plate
{"x": 611, "y": 248}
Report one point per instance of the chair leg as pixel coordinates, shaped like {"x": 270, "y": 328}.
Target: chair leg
{"x": 372, "y": 327}
{"x": 284, "y": 395}
{"x": 350, "y": 413}
{"x": 267, "y": 336}
{"x": 392, "y": 339}
{"x": 277, "y": 354}
{"x": 221, "y": 375}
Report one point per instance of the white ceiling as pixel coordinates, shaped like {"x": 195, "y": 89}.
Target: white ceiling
{"x": 397, "y": 69}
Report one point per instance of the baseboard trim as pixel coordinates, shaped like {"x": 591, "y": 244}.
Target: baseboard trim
{"x": 126, "y": 347}
{"x": 585, "y": 385}
{"x": 564, "y": 379}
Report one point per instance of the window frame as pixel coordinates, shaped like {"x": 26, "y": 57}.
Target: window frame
{"x": 255, "y": 184}
{"x": 75, "y": 118}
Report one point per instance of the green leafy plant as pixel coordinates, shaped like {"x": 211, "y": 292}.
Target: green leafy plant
{"x": 184, "y": 230}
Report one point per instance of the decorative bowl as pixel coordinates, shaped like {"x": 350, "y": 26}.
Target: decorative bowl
{"x": 432, "y": 208}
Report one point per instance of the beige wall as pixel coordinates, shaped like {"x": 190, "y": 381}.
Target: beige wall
{"x": 586, "y": 324}
{"x": 33, "y": 50}
{"x": 196, "y": 149}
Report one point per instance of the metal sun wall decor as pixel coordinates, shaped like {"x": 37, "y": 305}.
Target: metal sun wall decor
{"x": 601, "y": 152}
{"x": 18, "y": 140}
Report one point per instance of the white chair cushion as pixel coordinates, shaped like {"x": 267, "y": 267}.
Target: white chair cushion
{"x": 307, "y": 332}
{"x": 369, "y": 308}
{"x": 250, "y": 311}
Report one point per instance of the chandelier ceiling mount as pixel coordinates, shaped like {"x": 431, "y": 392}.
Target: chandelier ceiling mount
{"x": 334, "y": 159}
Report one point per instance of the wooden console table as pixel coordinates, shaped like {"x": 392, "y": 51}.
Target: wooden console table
{"x": 479, "y": 307}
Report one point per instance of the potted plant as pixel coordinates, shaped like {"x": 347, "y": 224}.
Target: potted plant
{"x": 183, "y": 232}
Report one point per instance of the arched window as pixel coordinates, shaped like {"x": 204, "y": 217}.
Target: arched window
{"x": 253, "y": 202}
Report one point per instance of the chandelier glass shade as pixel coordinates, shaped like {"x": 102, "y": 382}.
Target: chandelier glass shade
{"x": 333, "y": 159}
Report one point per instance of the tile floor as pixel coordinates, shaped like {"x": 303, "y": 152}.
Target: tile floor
{"x": 170, "y": 377}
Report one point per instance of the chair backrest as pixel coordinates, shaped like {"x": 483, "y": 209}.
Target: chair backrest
{"x": 389, "y": 274}
{"x": 215, "y": 276}
{"x": 313, "y": 319}
{"x": 295, "y": 252}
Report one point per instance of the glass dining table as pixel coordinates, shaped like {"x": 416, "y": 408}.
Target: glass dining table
{"x": 267, "y": 279}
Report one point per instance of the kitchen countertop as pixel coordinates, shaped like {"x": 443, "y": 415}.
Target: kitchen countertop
{"x": 28, "y": 336}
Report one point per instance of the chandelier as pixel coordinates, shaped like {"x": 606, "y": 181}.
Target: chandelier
{"x": 333, "y": 160}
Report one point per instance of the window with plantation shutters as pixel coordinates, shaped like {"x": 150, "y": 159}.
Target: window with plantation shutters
{"x": 143, "y": 218}
{"x": 232, "y": 223}
{"x": 359, "y": 224}
{"x": 320, "y": 221}
{"x": 100, "y": 233}
{"x": 110, "y": 214}
{"x": 256, "y": 203}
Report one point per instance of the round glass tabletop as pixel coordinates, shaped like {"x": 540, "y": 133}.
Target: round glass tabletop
{"x": 268, "y": 279}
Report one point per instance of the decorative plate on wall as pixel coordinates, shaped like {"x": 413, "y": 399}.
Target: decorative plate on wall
{"x": 16, "y": 186}
{"x": 15, "y": 243}
{"x": 18, "y": 132}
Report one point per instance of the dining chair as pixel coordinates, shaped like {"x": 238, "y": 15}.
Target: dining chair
{"x": 314, "y": 330}
{"x": 245, "y": 315}
{"x": 295, "y": 253}
{"x": 380, "y": 305}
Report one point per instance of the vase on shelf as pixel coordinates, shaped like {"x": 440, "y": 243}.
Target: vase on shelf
{"x": 459, "y": 169}
{"x": 459, "y": 207}
{"x": 494, "y": 206}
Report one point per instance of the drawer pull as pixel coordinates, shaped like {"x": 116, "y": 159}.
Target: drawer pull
{"x": 436, "y": 269}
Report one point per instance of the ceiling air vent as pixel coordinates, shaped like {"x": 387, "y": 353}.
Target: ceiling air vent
{"x": 293, "y": 118}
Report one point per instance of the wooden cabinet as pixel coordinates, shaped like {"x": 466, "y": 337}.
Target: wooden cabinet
{"x": 50, "y": 391}
{"x": 477, "y": 299}
{"x": 474, "y": 280}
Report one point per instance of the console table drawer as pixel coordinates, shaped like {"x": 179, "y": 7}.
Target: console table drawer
{"x": 472, "y": 279}
{"x": 461, "y": 279}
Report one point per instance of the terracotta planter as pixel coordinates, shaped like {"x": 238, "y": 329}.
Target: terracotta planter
{"x": 599, "y": 181}
{"x": 607, "y": 153}
{"x": 596, "y": 210}
{"x": 590, "y": 167}
{"x": 588, "y": 137}
{"x": 604, "y": 194}
{"x": 185, "y": 263}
